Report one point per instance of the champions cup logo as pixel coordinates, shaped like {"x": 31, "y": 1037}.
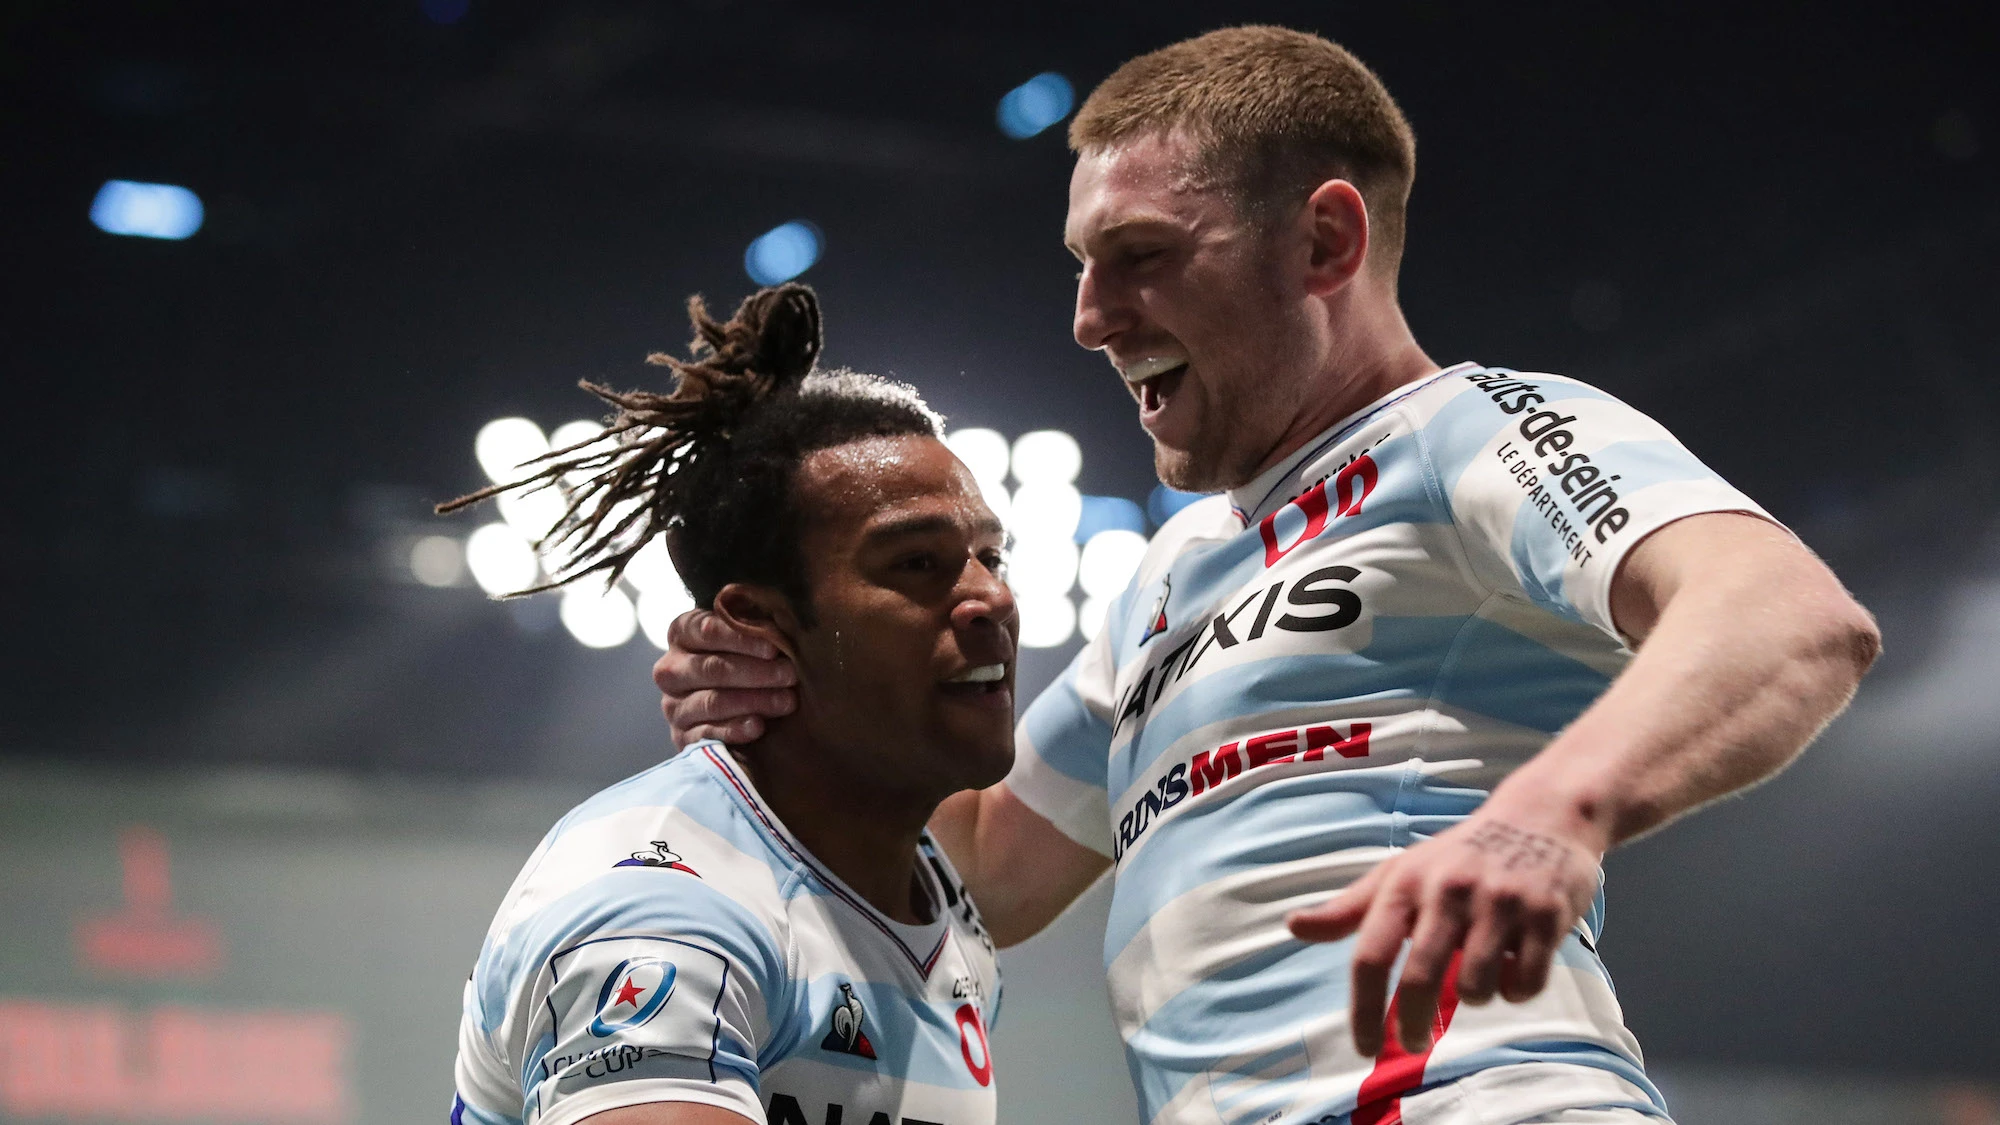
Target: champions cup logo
{"x": 1351, "y": 485}
{"x": 633, "y": 993}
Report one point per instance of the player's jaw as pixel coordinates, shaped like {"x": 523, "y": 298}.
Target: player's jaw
{"x": 1204, "y": 418}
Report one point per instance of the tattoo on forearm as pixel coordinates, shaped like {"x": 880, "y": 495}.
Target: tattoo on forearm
{"x": 1518, "y": 850}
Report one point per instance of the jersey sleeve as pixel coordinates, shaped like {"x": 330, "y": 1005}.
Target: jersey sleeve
{"x": 1550, "y": 482}
{"x": 628, "y": 992}
{"x": 1062, "y": 748}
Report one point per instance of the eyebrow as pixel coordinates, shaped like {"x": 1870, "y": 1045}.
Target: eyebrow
{"x": 1122, "y": 228}
{"x": 927, "y": 525}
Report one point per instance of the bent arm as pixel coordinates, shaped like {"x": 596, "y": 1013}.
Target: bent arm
{"x": 1747, "y": 646}
{"x": 1021, "y": 870}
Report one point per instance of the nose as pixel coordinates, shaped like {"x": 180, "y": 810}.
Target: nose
{"x": 985, "y": 605}
{"x": 1100, "y": 312}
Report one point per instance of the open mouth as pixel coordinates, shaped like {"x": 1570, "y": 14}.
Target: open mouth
{"x": 983, "y": 683}
{"x": 1153, "y": 379}
{"x": 1154, "y": 392}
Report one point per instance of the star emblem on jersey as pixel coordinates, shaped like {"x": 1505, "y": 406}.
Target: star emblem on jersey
{"x": 1156, "y": 623}
{"x": 660, "y": 856}
{"x": 632, "y": 994}
{"x": 846, "y": 1035}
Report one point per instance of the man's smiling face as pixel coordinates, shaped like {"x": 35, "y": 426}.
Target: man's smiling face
{"x": 908, "y": 672}
{"x": 1192, "y": 304}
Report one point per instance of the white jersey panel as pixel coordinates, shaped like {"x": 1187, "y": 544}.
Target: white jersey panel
{"x": 1338, "y": 661}
{"x": 671, "y": 941}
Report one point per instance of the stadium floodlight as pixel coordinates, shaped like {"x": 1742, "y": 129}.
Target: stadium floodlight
{"x": 574, "y": 433}
{"x": 570, "y": 433}
{"x": 506, "y": 444}
{"x": 657, "y": 610}
{"x": 662, "y": 596}
{"x": 995, "y": 495}
{"x": 1046, "y": 457}
{"x": 984, "y": 451}
{"x": 1046, "y": 620}
{"x": 1035, "y": 105}
{"x": 1090, "y": 616}
{"x": 782, "y": 253}
{"x": 652, "y": 568}
{"x": 1042, "y": 567}
{"x": 599, "y": 618}
{"x": 533, "y": 514}
{"x": 437, "y": 560}
{"x": 501, "y": 560}
{"x": 1045, "y": 511}
{"x": 1108, "y": 562}
{"x": 146, "y": 210}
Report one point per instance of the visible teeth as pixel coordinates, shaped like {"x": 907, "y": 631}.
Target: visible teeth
{"x": 1144, "y": 369}
{"x": 984, "y": 674}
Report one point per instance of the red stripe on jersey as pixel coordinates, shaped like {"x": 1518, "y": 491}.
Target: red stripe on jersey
{"x": 1397, "y": 1071}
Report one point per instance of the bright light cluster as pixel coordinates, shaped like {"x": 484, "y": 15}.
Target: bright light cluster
{"x": 503, "y": 559}
{"x": 1061, "y": 539}
{"x": 1044, "y": 514}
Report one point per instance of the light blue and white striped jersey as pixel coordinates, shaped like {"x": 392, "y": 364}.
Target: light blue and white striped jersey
{"x": 670, "y": 941}
{"x": 1332, "y": 663}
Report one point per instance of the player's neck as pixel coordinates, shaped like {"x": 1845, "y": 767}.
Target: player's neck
{"x": 864, "y": 833}
{"x": 1380, "y": 355}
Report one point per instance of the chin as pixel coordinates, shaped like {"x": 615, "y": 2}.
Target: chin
{"x": 1207, "y": 464}
{"x": 1189, "y": 472}
{"x": 978, "y": 762}
{"x": 999, "y": 763}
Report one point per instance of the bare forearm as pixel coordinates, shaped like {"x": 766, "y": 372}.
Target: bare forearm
{"x": 1733, "y": 681}
{"x": 1020, "y": 869}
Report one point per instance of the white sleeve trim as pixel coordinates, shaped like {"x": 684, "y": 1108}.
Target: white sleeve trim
{"x": 731, "y": 1093}
{"x": 1691, "y": 498}
{"x": 1079, "y": 811}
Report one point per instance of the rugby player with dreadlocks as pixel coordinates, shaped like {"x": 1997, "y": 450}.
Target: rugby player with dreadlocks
{"x": 764, "y": 930}
{"x": 1356, "y": 737}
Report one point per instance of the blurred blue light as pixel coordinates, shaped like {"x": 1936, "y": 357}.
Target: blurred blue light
{"x": 446, "y": 11}
{"x": 146, "y": 210}
{"x": 1105, "y": 513}
{"x": 1035, "y": 105}
{"x": 782, "y": 253}
{"x": 1164, "y": 502}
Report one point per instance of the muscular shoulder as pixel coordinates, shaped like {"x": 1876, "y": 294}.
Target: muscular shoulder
{"x": 664, "y": 852}
{"x": 1468, "y": 410}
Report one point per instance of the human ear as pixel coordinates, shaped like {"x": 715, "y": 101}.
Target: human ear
{"x": 761, "y": 612}
{"x": 1336, "y": 217}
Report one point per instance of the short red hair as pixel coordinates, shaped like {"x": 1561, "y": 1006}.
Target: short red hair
{"x": 1276, "y": 112}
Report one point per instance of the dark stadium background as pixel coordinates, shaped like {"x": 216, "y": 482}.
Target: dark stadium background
{"x": 1774, "y": 227}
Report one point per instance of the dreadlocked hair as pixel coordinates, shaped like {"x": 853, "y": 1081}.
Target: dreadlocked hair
{"x": 710, "y": 464}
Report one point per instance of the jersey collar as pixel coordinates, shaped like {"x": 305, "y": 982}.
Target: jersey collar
{"x": 921, "y": 944}
{"x": 1275, "y": 486}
